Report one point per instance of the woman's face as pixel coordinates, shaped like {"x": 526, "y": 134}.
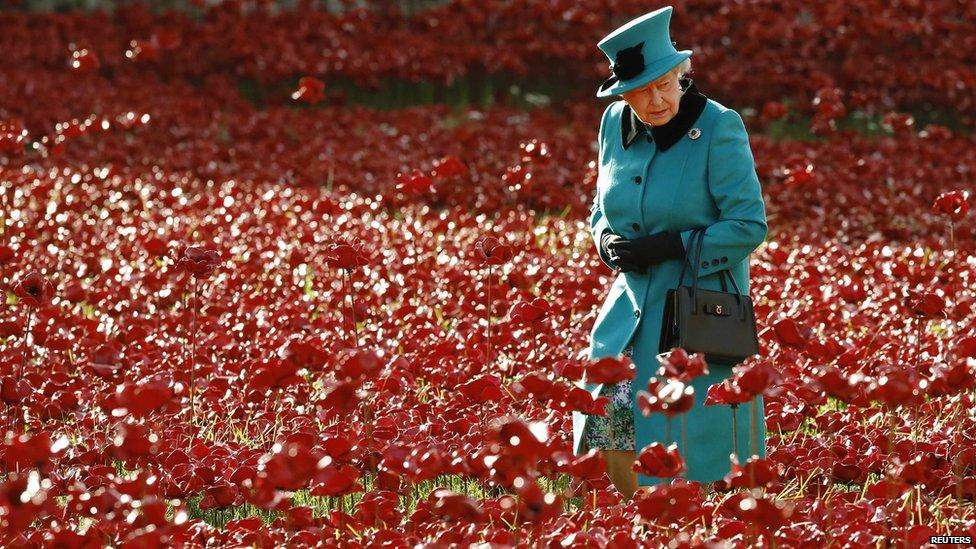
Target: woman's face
{"x": 656, "y": 102}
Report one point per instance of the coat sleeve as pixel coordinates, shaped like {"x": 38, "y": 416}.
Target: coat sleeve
{"x": 734, "y": 186}
{"x": 598, "y": 223}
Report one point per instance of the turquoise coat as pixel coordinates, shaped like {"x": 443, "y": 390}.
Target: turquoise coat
{"x": 706, "y": 181}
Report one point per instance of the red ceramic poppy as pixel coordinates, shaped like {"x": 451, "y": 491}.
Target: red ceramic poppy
{"x": 754, "y": 473}
{"x": 34, "y": 290}
{"x": 726, "y": 392}
{"x": 200, "y": 262}
{"x": 609, "y": 369}
{"x": 84, "y": 60}
{"x": 529, "y": 311}
{"x": 670, "y": 398}
{"x": 448, "y": 167}
{"x": 340, "y": 255}
{"x": 953, "y": 204}
{"x": 656, "y": 460}
{"x": 310, "y": 90}
{"x": 678, "y": 364}
{"x": 925, "y": 304}
{"x": 492, "y": 252}
{"x": 669, "y": 503}
{"x": 414, "y": 183}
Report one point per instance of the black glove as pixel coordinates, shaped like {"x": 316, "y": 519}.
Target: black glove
{"x": 647, "y": 250}
{"x": 625, "y": 260}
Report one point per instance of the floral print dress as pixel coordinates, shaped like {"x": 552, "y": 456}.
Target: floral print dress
{"x": 616, "y": 430}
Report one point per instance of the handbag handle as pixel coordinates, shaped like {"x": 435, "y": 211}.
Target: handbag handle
{"x": 700, "y": 232}
{"x": 725, "y": 272}
{"x": 694, "y": 272}
{"x": 691, "y": 246}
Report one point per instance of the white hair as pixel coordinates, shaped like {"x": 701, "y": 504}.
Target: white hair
{"x": 682, "y": 68}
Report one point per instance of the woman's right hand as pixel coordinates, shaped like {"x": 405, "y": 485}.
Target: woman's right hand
{"x": 624, "y": 259}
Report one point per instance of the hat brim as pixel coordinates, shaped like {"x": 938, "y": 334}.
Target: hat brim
{"x": 650, "y": 73}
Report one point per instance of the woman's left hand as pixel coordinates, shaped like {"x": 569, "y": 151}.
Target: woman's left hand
{"x": 648, "y": 250}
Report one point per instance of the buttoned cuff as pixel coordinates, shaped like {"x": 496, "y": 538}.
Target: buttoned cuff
{"x": 712, "y": 260}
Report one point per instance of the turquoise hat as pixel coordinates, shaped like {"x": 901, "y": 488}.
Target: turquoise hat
{"x": 640, "y": 51}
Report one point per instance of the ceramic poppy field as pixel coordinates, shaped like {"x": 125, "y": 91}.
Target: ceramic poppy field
{"x": 301, "y": 322}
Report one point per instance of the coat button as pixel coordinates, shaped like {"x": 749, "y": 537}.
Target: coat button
{"x": 704, "y": 264}
{"x": 636, "y": 313}
{"x": 637, "y": 179}
{"x": 725, "y": 259}
{"x": 636, "y": 227}
{"x": 715, "y": 262}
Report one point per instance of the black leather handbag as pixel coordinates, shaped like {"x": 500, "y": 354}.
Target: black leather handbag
{"x": 717, "y": 323}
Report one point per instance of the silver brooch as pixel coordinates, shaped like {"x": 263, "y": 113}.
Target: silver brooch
{"x": 694, "y": 133}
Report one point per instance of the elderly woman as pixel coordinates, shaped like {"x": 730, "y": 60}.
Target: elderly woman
{"x": 670, "y": 161}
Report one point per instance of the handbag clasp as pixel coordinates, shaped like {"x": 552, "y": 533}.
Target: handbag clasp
{"x": 716, "y": 309}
